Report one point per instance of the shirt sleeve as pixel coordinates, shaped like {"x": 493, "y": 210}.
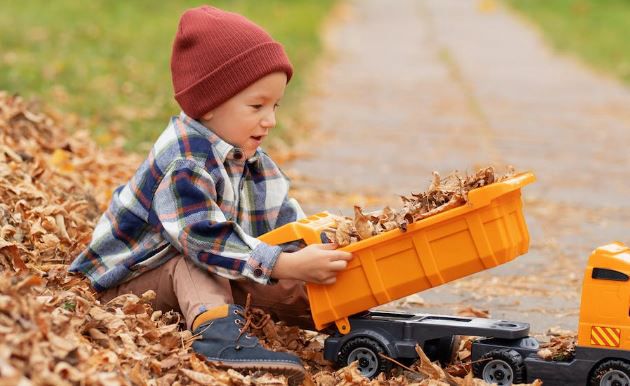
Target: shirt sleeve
{"x": 185, "y": 205}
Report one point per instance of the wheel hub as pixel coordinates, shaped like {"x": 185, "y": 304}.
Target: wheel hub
{"x": 368, "y": 361}
{"x": 499, "y": 372}
{"x": 615, "y": 378}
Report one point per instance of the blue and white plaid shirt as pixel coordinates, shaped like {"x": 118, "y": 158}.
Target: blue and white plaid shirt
{"x": 194, "y": 195}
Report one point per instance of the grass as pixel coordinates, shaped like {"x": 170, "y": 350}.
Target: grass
{"x": 598, "y": 31}
{"x": 108, "y": 61}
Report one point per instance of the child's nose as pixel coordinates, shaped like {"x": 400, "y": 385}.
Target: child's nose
{"x": 269, "y": 120}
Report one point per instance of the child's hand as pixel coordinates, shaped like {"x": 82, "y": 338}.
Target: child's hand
{"x": 316, "y": 263}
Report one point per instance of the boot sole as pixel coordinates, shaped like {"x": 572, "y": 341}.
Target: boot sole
{"x": 295, "y": 373}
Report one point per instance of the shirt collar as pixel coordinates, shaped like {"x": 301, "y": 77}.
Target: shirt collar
{"x": 224, "y": 150}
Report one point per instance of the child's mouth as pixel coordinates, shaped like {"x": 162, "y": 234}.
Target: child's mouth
{"x": 258, "y": 138}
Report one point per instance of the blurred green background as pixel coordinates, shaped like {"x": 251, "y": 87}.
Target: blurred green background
{"x": 597, "y": 31}
{"x": 108, "y": 61}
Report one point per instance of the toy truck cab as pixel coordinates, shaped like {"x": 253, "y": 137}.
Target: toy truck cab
{"x": 601, "y": 355}
{"x": 605, "y": 304}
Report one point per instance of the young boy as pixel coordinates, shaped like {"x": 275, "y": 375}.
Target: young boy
{"x": 186, "y": 224}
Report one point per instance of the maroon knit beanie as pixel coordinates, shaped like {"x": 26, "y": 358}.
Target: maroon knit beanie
{"x": 217, "y": 54}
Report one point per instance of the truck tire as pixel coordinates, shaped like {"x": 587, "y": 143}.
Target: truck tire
{"x": 502, "y": 367}
{"x": 611, "y": 372}
{"x": 366, "y": 351}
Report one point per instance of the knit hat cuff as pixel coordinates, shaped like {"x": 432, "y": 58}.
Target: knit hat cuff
{"x": 232, "y": 77}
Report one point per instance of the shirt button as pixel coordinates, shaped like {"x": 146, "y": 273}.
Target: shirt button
{"x": 238, "y": 154}
{"x": 258, "y": 272}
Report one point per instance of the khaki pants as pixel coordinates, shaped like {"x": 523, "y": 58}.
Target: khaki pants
{"x": 182, "y": 286}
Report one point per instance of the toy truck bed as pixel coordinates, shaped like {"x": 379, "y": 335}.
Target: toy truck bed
{"x": 487, "y": 231}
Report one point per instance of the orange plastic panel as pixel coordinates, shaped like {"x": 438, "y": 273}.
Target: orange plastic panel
{"x": 489, "y": 230}
{"x": 605, "y": 304}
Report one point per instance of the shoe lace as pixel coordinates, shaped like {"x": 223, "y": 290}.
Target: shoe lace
{"x": 255, "y": 319}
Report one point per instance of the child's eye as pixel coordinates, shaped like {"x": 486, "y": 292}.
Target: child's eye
{"x": 257, "y": 107}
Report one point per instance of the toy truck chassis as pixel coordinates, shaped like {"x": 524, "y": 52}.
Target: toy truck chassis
{"x": 396, "y": 334}
{"x": 504, "y": 355}
{"x": 515, "y": 361}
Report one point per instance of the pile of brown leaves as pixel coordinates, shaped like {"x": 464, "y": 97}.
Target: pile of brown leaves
{"x": 442, "y": 195}
{"x": 53, "y": 187}
{"x": 54, "y": 332}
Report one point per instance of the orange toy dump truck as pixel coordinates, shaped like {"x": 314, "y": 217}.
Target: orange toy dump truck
{"x": 489, "y": 230}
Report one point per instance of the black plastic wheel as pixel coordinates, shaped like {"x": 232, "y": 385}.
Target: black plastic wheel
{"x": 366, "y": 352}
{"x": 612, "y": 372}
{"x": 502, "y": 367}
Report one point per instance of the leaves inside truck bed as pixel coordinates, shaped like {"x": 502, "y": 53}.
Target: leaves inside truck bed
{"x": 441, "y": 195}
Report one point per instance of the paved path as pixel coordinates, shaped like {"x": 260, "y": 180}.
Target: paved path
{"x": 416, "y": 86}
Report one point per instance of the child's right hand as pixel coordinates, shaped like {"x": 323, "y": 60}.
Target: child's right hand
{"x": 315, "y": 263}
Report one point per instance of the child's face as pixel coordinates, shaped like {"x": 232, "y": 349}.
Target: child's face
{"x": 245, "y": 119}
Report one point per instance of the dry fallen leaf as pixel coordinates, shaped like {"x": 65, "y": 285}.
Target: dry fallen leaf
{"x": 473, "y": 312}
{"x": 363, "y": 225}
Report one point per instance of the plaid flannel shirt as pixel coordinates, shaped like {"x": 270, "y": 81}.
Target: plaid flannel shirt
{"x": 193, "y": 195}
